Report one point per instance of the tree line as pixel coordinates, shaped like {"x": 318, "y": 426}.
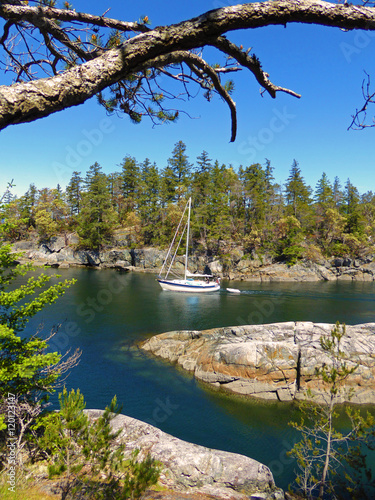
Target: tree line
{"x": 244, "y": 207}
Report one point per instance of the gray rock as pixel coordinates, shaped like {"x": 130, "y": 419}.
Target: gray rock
{"x": 274, "y": 361}
{"x": 93, "y": 258}
{"x": 80, "y": 257}
{"x": 188, "y": 467}
{"x": 56, "y": 243}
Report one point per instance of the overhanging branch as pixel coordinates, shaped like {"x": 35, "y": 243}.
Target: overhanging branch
{"x": 28, "y": 101}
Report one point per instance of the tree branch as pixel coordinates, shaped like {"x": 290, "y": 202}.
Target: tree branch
{"x": 253, "y": 64}
{"x": 28, "y": 101}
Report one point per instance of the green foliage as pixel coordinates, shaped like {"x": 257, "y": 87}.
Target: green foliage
{"x": 97, "y": 217}
{"x": 330, "y": 461}
{"x": 289, "y": 239}
{"x": 26, "y": 370}
{"x": 86, "y": 453}
{"x": 227, "y": 204}
{"x": 24, "y": 365}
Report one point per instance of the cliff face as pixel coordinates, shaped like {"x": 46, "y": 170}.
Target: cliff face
{"x": 61, "y": 252}
{"x": 191, "y": 468}
{"x": 275, "y": 361}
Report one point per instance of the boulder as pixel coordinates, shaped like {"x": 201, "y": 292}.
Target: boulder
{"x": 116, "y": 255}
{"x": 56, "y": 243}
{"x": 191, "y": 468}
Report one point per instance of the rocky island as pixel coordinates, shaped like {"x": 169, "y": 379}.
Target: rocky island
{"x": 275, "y": 361}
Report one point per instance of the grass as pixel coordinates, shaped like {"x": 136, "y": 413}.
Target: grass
{"x": 23, "y": 491}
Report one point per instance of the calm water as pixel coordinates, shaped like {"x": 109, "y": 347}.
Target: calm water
{"x": 106, "y": 313}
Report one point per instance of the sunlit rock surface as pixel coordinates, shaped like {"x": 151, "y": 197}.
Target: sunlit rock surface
{"x": 275, "y": 361}
{"x": 187, "y": 467}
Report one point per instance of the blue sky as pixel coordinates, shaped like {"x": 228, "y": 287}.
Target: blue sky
{"x": 325, "y": 65}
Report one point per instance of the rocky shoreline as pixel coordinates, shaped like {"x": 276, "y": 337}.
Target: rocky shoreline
{"x": 62, "y": 252}
{"x": 274, "y": 362}
{"x": 194, "y": 469}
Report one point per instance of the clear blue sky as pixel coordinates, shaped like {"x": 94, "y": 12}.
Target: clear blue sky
{"x": 325, "y": 65}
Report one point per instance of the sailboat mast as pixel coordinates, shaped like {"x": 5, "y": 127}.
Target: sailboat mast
{"x": 187, "y": 238}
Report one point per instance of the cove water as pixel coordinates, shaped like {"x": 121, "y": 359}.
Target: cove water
{"x": 107, "y": 313}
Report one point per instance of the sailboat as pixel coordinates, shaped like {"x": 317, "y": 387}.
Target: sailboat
{"x": 189, "y": 282}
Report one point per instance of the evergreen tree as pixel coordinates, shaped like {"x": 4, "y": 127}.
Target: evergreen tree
{"x": 255, "y": 193}
{"x": 324, "y": 453}
{"x": 29, "y": 202}
{"x": 130, "y": 181}
{"x": 89, "y": 456}
{"x": 324, "y": 193}
{"x": 14, "y": 225}
{"x": 73, "y": 193}
{"x": 351, "y": 209}
{"x": 200, "y": 193}
{"x": 50, "y": 213}
{"x": 181, "y": 168}
{"x": 297, "y": 194}
{"x": 115, "y": 187}
{"x": 149, "y": 207}
{"x": 168, "y": 186}
{"x": 97, "y": 218}
{"x": 27, "y": 372}
{"x": 338, "y": 195}
{"x": 270, "y": 190}
{"x": 218, "y": 202}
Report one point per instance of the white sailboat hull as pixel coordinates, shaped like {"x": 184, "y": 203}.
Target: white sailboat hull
{"x": 188, "y": 285}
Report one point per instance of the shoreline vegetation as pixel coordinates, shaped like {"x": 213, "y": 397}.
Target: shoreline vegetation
{"x": 63, "y": 252}
{"x": 244, "y": 225}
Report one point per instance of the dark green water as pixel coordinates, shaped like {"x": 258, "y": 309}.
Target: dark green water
{"x": 106, "y": 313}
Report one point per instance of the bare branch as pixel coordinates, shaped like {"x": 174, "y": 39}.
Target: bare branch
{"x": 253, "y": 64}
{"x": 360, "y": 116}
{"x": 22, "y": 12}
{"x": 192, "y": 61}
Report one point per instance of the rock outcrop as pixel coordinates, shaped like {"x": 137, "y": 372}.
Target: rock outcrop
{"x": 192, "y": 468}
{"x": 275, "y": 361}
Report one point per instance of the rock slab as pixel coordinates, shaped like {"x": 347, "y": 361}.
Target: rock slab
{"x": 188, "y": 467}
{"x": 275, "y": 361}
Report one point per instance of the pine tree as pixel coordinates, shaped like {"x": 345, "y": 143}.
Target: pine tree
{"x": 297, "y": 194}
{"x": 181, "y": 168}
{"x": 130, "y": 182}
{"x": 255, "y": 192}
{"x": 338, "y": 195}
{"x": 324, "y": 193}
{"x": 200, "y": 193}
{"x": 88, "y": 455}
{"x": 221, "y": 179}
{"x": 149, "y": 208}
{"x": 351, "y": 209}
{"x": 28, "y": 373}
{"x": 324, "y": 453}
{"x": 29, "y": 201}
{"x": 97, "y": 218}
{"x": 73, "y": 193}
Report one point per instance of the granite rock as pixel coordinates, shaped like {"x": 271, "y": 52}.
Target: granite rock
{"x": 188, "y": 467}
{"x": 275, "y": 361}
